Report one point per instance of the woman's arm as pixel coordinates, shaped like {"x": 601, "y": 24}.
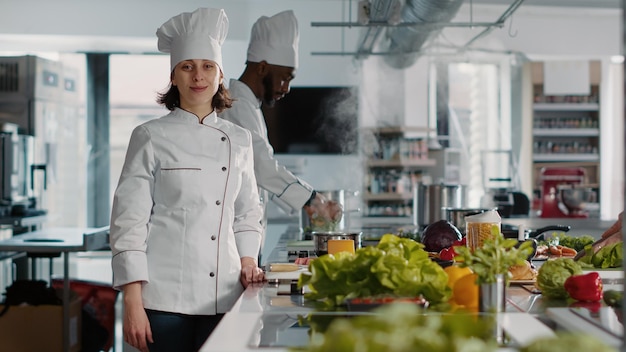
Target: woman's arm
{"x": 137, "y": 332}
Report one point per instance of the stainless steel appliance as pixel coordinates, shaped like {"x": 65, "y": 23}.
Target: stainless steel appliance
{"x": 18, "y": 190}
{"x": 428, "y": 201}
{"x": 41, "y": 97}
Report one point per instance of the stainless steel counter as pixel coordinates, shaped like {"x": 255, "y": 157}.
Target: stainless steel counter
{"x": 268, "y": 317}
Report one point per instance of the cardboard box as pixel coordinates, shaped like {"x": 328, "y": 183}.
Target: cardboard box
{"x": 40, "y": 328}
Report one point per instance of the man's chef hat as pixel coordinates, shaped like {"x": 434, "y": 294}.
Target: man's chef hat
{"x": 275, "y": 40}
{"x": 194, "y": 35}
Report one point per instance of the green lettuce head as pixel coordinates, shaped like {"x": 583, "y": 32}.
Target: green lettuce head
{"x": 552, "y": 275}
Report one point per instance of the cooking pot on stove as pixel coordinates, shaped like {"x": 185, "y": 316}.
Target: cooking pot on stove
{"x": 320, "y": 240}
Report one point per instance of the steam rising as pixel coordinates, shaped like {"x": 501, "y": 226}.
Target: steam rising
{"x": 338, "y": 126}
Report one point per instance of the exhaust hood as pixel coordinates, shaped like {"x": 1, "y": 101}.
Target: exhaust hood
{"x": 407, "y": 25}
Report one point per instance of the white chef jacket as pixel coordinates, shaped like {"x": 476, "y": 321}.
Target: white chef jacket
{"x": 185, "y": 211}
{"x": 288, "y": 191}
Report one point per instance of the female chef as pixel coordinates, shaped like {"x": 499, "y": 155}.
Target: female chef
{"x": 185, "y": 223}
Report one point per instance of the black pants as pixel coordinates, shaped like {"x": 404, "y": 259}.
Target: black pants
{"x": 180, "y": 332}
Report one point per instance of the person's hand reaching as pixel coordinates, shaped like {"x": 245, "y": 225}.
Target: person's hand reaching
{"x": 615, "y": 228}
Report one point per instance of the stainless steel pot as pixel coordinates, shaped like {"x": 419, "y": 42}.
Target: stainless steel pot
{"x": 456, "y": 216}
{"x": 320, "y": 240}
{"x": 429, "y": 199}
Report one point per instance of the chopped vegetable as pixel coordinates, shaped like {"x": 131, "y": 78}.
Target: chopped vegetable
{"x": 607, "y": 257}
{"x": 552, "y": 275}
{"x": 587, "y": 287}
{"x": 577, "y": 243}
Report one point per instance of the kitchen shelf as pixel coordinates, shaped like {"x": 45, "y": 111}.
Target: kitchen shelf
{"x": 566, "y": 132}
{"x": 394, "y": 164}
{"x": 401, "y": 163}
{"x": 565, "y": 157}
{"x": 377, "y": 197}
{"x": 566, "y": 107}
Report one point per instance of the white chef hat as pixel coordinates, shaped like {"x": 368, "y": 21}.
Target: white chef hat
{"x": 275, "y": 40}
{"x": 194, "y": 35}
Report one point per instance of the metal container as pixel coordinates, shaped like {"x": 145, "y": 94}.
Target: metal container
{"x": 456, "y": 216}
{"x": 492, "y": 300}
{"x": 320, "y": 240}
{"x": 492, "y": 296}
{"x": 429, "y": 199}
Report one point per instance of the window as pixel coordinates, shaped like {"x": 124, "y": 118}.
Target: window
{"x": 135, "y": 81}
{"x": 470, "y": 116}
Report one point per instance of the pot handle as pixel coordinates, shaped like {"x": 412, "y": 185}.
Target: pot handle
{"x": 539, "y": 231}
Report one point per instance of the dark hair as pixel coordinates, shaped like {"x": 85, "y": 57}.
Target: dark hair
{"x": 171, "y": 98}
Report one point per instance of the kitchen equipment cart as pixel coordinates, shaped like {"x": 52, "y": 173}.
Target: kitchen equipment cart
{"x": 60, "y": 241}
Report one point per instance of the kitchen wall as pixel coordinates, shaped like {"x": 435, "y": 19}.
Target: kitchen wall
{"x": 130, "y": 26}
{"x": 389, "y": 96}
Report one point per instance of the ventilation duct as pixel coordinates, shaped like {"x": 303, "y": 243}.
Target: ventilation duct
{"x": 405, "y": 42}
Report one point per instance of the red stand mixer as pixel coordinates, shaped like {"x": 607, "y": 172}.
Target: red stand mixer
{"x": 563, "y": 193}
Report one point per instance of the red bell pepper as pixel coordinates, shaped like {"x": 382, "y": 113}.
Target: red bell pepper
{"x": 449, "y": 253}
{"x": 587, "y": 287}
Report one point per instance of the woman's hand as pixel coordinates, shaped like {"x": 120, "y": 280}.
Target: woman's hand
{"x": 250, "y": 272}
{"x": 137, "y": 332}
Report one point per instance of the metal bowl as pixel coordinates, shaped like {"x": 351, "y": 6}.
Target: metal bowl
{"x": 575, "y": 198}
{"x": 320, "y": 240}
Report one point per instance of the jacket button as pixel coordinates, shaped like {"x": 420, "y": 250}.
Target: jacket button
{"x": 212, "y": 274}
{"x": 223, "y": 168}
{"x": 218, "y": 202}
{"x": 223, "y": 139}
{"x": 213, "y": 237}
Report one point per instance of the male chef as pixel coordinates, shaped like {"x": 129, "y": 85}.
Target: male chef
{"x": 271, "y": 64}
